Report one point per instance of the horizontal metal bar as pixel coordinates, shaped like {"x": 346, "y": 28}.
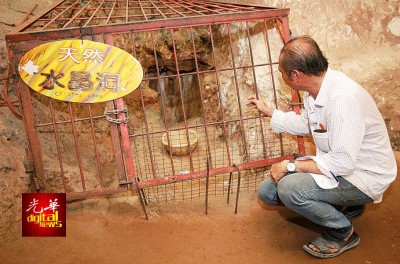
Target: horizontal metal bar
{"x": 212, "y": 172}
{"x": 94, "y": 193}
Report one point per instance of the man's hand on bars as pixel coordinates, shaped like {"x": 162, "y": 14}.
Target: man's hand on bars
{"x": 260, "y": 105}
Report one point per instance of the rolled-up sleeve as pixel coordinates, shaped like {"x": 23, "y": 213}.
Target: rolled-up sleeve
{"x": 290, "y": 122}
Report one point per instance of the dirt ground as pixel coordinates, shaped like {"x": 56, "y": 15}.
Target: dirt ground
{"x": 100, "y": 231}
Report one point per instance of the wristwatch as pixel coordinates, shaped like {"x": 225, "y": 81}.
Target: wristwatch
{"x": 291, "y": 166}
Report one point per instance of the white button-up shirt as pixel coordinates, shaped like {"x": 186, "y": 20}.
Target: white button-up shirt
{"x": 356, "y": 144}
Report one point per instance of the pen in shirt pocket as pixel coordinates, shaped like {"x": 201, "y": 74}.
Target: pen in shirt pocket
{"x": 321, "y": 129}
{"x": 334, "y": 176}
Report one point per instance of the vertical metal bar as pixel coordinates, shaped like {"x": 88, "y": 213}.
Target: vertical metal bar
{"x": 143, "y": 107}
{"x": 7, "y": 99}
{"x": 256, "y": 88}
{"x": 134, "y": 139}
{"x": 57, "y": 139}
{"x": 238, "y": 189}
{"x": 207, "y": 183}
{"x": 78, "y": 152}
{"x": 96, "y": 148}
{"x": 205, "y": 121}
{"x": 116, "y": 145}
{"x": 152, "y": 158}
{"x": 125, "y": 143}
{"x": 220, "y": 97}
{"x": 31, "y": 132}
{"x": 115, "y": 139}
{"x": 237, "y": 92}
{"x": 229, "y": 187}
{"x": 141, "y": 199}
{"x": 272, "y": 75}
{"x": 286, "y": 30}
{"x": 127, "y": 153}
{"x": 182, "y": 100}
{"x": 127, "y": 11}
{"x": 295, "y": 94}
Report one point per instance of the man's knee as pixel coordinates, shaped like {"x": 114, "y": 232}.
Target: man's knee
{"x": 267, "y": 193}
{"x": 290, "y": 189}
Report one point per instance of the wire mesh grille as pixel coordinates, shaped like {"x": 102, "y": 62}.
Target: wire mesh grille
{"x": 86, "y": 13}
{"x": 197, "y": 77}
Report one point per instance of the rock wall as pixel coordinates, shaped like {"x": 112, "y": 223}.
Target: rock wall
{"x": 359, "y": 37}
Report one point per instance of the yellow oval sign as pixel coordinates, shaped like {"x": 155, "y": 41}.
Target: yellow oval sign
{"x": 80, "y": 71}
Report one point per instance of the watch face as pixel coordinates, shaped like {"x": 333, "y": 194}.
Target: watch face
{"x": 291, "y": 167}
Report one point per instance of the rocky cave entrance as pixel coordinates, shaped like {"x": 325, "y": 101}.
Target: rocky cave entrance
{"x": 168, "y": 88}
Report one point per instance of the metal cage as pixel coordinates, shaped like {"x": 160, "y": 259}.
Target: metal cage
{"x": 201, "y": 61}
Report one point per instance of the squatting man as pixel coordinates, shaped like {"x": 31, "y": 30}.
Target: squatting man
{"x": 354, "y": 162}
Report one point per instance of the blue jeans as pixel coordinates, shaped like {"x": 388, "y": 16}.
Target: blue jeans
{"x": 300, "y": 193}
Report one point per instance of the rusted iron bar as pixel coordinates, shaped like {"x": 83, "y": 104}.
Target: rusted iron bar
{"x": 150, "y": 146}
{"x": 242, "y": 130}
{"x": 295, "y": 94}
{"x": 181, "y": 91}
{"x": 142, "y": 200}
{"x": 272, "y": 73}
{"x": 31, "y": 132}
{"x": 256, "y": 87}
{"x": 205, "y": 121}
{"x": 125, "y": 143}
{"x": 220, "y": 96}
{"x": 93, "y": 193}
{"x": 115, "y": 135}
{"x": 212, "y": 172}
{"x": 7, "y": 99}
{"x": 77, "y": 148}
{"x": 116, "y": 142}
{"x": 229, "y": 187}
{"x": 238, "y": 189}
{"x": 207, "y": 183}
{"x": 58, "y": 147}
{"x": 96, "y": 147}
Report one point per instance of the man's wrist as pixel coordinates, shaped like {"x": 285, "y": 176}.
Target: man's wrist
{"x": 269, "y": 111}
{"x": 291, "y": 166}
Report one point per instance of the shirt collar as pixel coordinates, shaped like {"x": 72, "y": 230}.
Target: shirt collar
{"x": 320, "y": 101}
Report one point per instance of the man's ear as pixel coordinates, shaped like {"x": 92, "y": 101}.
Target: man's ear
{"x": 295, "y": 74}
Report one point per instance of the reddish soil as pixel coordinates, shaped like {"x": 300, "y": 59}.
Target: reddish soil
{"x": 102, "y": 232}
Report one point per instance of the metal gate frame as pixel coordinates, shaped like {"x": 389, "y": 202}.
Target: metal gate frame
{"x": 19, "y": 41}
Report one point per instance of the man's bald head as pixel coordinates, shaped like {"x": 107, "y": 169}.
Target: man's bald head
{"x": 303, "y": 54}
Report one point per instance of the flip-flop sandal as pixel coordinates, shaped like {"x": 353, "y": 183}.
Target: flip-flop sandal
{"x": 326, "y": 243}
